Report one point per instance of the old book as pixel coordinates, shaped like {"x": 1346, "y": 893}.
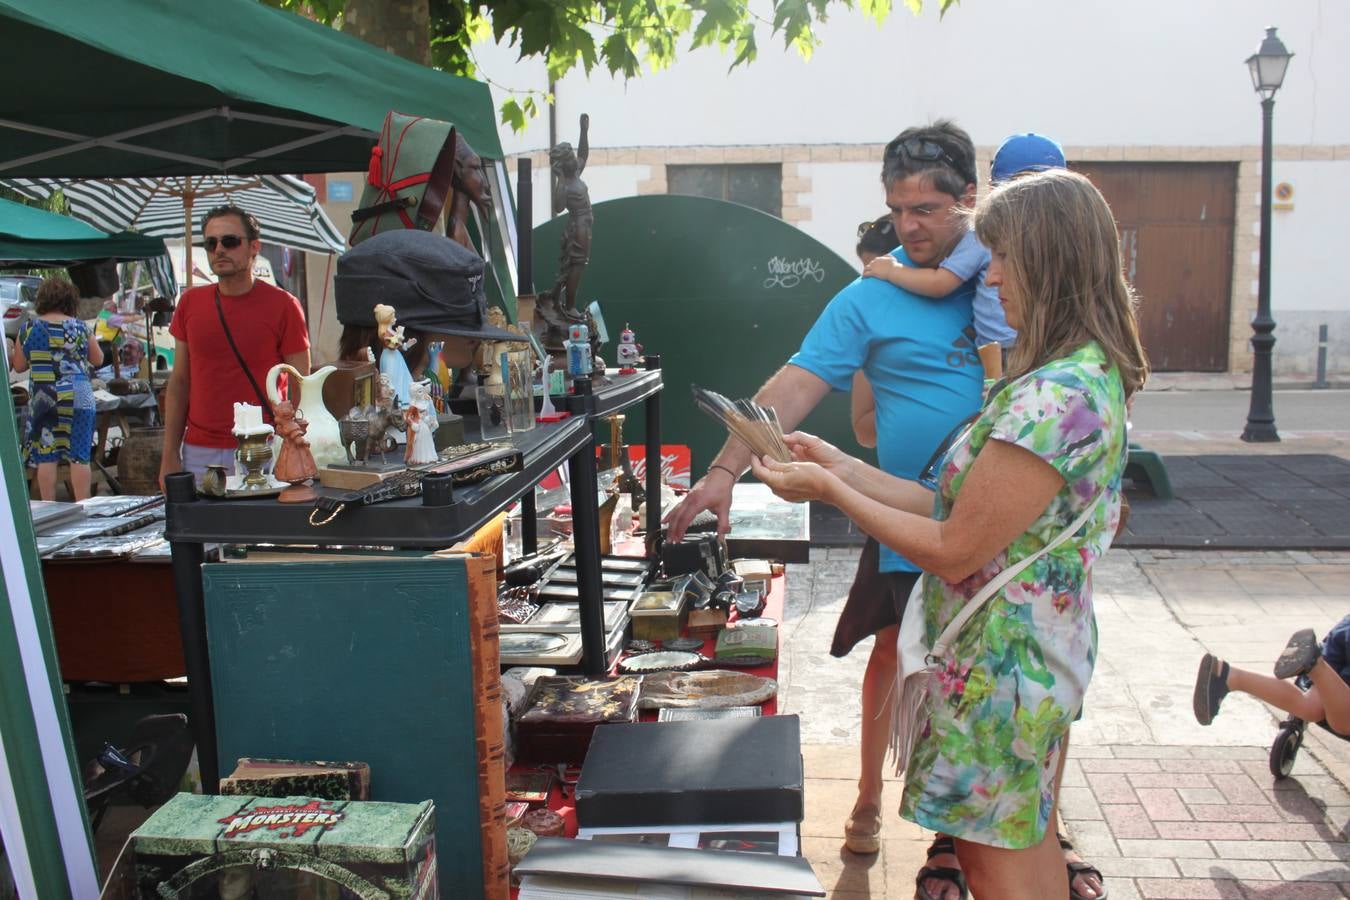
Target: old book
{"x": 295, "y": 778}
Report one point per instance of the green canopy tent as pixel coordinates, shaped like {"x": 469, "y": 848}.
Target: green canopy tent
{"x": 41, "y": 803}
{"x": 125, "y": 88}
{"x": 148, "y": 88}
{"x": 31, "y": 237}
{"x": 131, "y": 88}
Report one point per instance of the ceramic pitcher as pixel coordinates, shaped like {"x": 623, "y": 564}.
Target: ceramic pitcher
{"x": 322, "y": 434}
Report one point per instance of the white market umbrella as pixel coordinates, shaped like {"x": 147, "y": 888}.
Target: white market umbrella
{"x": 286, "y": 207}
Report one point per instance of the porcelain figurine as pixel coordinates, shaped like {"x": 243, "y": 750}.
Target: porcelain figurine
{"x": 629, "y": 351}
{"x": 392, "y": 363}
{"x": 421, "y": 445}
{"x": 305, "y": 393}
{"x": 295, "y": 464}
{"x": 423, "y": 399}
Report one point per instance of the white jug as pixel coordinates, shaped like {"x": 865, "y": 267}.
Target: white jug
{"x": 322, "y": 433}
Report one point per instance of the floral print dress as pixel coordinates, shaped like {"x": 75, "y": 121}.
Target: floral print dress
{"x": 984, "y": 767}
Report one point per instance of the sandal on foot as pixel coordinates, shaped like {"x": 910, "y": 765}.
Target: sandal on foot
{"x": 862, "y": 831}
{"x": 1300, "y": 655}
{"x": 1210, "y": 689}
{"x": 942, "y": 844}
{"x": 1081, "y": 869}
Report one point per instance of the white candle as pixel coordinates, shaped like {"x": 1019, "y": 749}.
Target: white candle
{"x": 247, "y": 418}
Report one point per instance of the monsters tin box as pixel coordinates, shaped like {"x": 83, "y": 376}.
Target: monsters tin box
{"x": 293, "y": 847}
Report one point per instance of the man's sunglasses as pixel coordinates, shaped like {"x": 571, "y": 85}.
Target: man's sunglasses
{"x": 921, "y": 150}
{"x": 229, "y": 242}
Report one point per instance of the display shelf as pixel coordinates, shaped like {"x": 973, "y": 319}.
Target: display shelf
{"x": 432, "y": 520}
{"x": 621, "y": 392}
{"x": 411, "y": 522}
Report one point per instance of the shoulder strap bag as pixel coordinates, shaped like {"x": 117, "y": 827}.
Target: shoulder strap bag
{"x": 918, "y": 663}
{"x": 239, "y": 357}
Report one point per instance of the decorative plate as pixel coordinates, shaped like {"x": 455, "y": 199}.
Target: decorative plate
{"x": 748, "y": 623}
{"x": 638, "y": 645}
{"x": 707, "y": 689}
{"x": 234, "y": 488}
{"x": 684, "y": 643}
{"x": 661, "y": 661}
{"x": 531, "y": 642}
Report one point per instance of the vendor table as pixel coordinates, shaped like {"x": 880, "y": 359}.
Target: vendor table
{"x": 564, "y": 803}
{"x": 437, "y": 519}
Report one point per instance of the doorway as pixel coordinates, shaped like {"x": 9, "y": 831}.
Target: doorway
{"x": 1176, "y": 240}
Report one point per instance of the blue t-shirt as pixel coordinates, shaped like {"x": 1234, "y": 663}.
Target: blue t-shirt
{"x": 970, "y": 259}
{"x": 919, "y": 355}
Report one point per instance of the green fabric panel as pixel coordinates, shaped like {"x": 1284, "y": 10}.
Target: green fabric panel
{"x": 32, "y": 235}
{"x": 693, "y": 279}
{"x": 130, "y": 63}
{"x": 363, "y": 661}
{"x": 29, "y": 772}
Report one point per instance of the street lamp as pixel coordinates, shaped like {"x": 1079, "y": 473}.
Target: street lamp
{"x": 1267, "y": 66}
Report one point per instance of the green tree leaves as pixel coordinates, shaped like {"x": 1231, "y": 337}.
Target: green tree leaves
{"x": 621, "y": 35}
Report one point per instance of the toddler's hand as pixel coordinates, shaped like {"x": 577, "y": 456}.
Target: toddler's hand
{"x": 881, "y": 267}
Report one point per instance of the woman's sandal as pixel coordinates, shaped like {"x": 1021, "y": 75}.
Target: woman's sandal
{"x": 1081, "y": 869}
{"x": 862, "y": 831}
{"x": 942, "y": 844}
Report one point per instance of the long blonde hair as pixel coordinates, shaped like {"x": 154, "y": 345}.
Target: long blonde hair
{"x": 1063, "y": 255}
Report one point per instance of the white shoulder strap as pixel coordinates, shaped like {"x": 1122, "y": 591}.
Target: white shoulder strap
{"x": 998, "y": 581}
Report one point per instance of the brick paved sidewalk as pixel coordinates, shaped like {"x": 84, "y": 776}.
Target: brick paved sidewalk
{"x": 1164, "y": 807}
{"x": 1207, "y": 822}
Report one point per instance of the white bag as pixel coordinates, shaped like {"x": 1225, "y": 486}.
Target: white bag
{"x": 917, "y": 663}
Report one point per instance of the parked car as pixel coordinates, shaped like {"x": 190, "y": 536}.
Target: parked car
{"x": 18, "y": 294}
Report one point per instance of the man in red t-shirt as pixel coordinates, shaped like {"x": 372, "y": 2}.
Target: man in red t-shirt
{"x": 267, "y": 326}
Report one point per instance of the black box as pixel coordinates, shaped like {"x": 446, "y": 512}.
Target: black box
{"x": 706, "y": 771}
{"x": 705, "y": 553}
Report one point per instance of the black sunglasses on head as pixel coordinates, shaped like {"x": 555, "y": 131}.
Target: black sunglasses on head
{"x": 922, "y": 150}
{"x": 228, "y": 241}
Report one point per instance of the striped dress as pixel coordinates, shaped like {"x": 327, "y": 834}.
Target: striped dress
{"x": 61, "y": 400}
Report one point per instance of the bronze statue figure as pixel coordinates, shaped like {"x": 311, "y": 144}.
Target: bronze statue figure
{"x": 570, "y": 194}
{"x": 561, "y": 305}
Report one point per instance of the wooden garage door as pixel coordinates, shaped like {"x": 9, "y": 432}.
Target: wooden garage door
{"x": 1176, "y": 238}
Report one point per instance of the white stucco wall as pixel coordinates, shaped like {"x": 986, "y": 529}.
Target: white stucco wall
{"x": 1306, "y": 288}
{"x": 1088, "y": 71}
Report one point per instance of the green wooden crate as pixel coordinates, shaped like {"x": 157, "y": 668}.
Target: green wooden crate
{"x": 293, "y": 847}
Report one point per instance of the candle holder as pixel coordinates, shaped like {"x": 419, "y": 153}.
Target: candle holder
{"x": 253, "y": 454}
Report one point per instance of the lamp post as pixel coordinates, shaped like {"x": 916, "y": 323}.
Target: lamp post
{"x": 1267, "y": 65}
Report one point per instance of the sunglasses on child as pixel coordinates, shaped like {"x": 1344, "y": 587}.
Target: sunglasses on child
{"x": 229, "y": 242}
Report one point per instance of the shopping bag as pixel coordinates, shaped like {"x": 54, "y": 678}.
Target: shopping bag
{"x": 409, "y": 178}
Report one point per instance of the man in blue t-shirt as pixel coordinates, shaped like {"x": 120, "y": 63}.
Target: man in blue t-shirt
{"x": 919, "y": 355}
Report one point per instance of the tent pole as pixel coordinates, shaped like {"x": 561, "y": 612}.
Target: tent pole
{"x": 42, "y": 812}
{"x": 187, "y": 239}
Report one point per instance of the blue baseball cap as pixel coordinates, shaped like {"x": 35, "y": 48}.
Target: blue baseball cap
{"x": 1028, "y": 152}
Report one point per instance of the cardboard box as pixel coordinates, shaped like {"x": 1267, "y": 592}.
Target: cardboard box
{"x": 289, "y": 778}
{"x": 209, "y": 846}
{"x": 700, "y": 772}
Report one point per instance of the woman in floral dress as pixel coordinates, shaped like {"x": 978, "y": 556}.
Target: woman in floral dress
{"x": 60, "y": 398}
{"x": 1049, "y": 444}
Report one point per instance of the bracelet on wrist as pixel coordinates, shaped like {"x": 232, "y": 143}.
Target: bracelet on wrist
{"x": 734, "y": 476}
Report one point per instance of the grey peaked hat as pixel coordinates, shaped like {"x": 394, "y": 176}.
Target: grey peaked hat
{"x": 434, "y": 285}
